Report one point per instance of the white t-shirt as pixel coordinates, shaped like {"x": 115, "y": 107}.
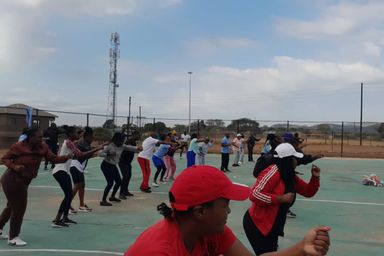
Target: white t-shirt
{"x": 203, "y": 147}
{"x": 238, "y": 143}
{"x": 64, "y": 151}
{"x": 79, "y": 166}
{"x": 185, "y": 137}
{"x": 148, "y": 146}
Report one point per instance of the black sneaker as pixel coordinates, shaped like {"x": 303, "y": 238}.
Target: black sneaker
{"x": 129, "y": 194}
{"x": 68, "y": 221}
{"x": 146, "y": 190}
{"x": 123, "y": 197}
{"x": 114, "y": 199}
{"x": 59, "y": 224}
{"x": 105, "y": 203}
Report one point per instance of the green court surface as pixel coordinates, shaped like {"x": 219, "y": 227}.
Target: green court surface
{"x": 353, "y": 211}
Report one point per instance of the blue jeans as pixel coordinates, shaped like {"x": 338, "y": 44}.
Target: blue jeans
{"x": 191, "y": 158}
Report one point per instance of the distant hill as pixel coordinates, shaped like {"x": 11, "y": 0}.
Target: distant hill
{"x": 348, "y": 128}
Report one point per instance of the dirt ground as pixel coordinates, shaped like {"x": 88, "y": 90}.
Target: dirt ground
{"x": 350, "y": 148}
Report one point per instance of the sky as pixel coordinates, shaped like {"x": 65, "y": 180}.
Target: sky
{"x": 265, "y": 60}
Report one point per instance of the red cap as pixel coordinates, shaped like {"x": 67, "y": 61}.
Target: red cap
{"x": 201, "y": 184}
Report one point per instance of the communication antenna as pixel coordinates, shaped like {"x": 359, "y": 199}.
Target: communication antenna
{"x": 114, "y": 55}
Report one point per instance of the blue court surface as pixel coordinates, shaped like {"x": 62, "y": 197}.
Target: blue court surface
{"x": 353, "y": 211}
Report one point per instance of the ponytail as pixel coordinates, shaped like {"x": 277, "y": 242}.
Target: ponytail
{"x": 166, "y": 211}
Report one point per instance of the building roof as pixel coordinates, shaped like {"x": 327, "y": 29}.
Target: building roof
{"x": 20, "y": 109}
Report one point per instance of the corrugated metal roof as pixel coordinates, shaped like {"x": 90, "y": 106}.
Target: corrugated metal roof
{"x": 20, "y": 109}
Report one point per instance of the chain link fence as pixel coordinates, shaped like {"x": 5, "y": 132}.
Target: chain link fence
{"x": 332, "y": 138}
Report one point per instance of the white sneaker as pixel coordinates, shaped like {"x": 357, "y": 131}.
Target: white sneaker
{"x": 155, "y": 184}
{"x": 3, "y": 236}
{"x": 16, "y": 241}
{"x": 72, "y": 212}
{"x": 84, "y": 209}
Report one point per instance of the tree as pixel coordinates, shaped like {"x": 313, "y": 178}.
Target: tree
{"x": 380, "y": 129}
{"x": 180, "y": 128}
{"x": 194, "y": 125}
{"x": 160, "y": 127}
{"x": 102, "y": 134}
{"x": 324, "y": 128}
{"x": 109, "y": 124}
{"x": 244, "y": 125}
{"x": 132, "y": 127}
{"x": 215, "y": 123}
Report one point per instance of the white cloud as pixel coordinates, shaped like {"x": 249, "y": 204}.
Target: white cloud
{"x": 337, "y": 20}
{"x": 25, "y": 39}
{"x": 299, "y": 89}
{"x": 372, "y": 49}
{"x": 218, "y": 44}
{"x": 90, "y": 7}
{"x": 290, "y": 89}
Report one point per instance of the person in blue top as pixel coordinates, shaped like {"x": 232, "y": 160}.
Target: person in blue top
{"x": 225, "y": 151}
{"x": 193, "y": 150}
{"x": 158, "y": 159}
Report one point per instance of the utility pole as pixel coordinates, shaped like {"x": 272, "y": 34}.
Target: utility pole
{"x": 190, "y": 94}
{"x": 140, "y": 118}
{"x": 361, "y": 114}
{"x": 129, "y": 115}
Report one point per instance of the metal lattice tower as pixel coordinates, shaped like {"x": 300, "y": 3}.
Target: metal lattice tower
{"x": 114, "y": 55}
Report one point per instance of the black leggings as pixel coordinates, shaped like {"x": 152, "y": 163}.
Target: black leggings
{"x": 126, "y": 172}
{"x": 160, "y": 169}
{"x": 111, "y": 174}
{"x": 64, "y": 180}
{"x": 260, "y": 243}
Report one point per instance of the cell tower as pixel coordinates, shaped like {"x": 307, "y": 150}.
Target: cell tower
{"x": 114, "y": 55}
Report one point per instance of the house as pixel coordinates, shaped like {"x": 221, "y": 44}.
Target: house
{"x": 13, "y": 121}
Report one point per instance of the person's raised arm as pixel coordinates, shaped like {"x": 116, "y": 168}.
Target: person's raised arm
{"x": 106, "y": 151}
{"x": 49, "y": 155}
{"x": 132, "y": 148}
{"x": 9, "y": 157}
{"x": 316, "y": 242}
{"x": 90, "y": 153}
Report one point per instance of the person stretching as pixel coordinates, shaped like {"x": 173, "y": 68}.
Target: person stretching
{"x": 78, "y": 167}
{"x": 61, "y": 175}
{"x": 158, "y": 160}
{"x": 22, "y": 161}
{"x": 111, "y": 154}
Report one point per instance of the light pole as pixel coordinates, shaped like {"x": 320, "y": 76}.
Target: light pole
{"x": 190, "y": 92}
{"x": 361, "y": 114}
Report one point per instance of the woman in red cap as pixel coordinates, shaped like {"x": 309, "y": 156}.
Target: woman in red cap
{"x": 196, "y": 223}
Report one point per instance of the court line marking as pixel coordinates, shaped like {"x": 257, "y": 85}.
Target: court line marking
{"x": 339, "y": 202}
{"x": 60, "y": 250}
{"x": 299, "y": 199}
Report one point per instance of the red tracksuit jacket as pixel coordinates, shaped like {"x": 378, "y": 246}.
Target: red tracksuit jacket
{"x": 264, "y": 194}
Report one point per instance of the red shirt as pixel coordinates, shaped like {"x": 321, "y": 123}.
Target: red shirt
{"x": 164, "y": 239}
{"x": 265, "y": 191}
